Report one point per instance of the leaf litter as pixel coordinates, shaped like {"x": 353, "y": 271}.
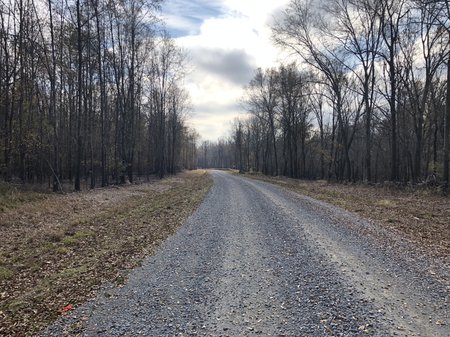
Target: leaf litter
{"x": 57, "y": 250}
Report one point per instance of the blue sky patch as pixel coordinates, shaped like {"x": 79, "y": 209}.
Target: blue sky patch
{"x": 185, "y": 17}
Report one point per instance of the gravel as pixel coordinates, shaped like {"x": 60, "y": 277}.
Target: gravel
{"x": 255, "y": 260}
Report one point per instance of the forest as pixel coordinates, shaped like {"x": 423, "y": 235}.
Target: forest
{"x": 365, "y": 98}
{"x": 90, "y": 93}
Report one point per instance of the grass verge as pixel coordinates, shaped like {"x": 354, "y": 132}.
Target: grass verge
{"x": 57, "y": 250}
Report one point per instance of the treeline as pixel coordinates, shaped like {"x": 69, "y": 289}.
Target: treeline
{"x": 367, "y": 100}
{"x": 90, "y": 90}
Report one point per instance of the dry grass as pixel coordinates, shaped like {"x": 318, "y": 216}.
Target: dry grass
{"x": 12, "y": 196}
{"x": 422, "y": 216}
{"x": 58, "y": 249}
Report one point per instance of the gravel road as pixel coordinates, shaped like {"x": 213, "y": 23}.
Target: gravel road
{"x": 258, "y": 260}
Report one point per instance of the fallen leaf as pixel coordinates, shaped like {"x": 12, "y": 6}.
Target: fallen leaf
{"x": 68, "y": 308}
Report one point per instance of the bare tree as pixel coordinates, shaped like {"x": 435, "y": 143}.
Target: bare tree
{"x": 261, "y": 100}
{"x": 357, "y": 29}
{"x": 301, "y": 31}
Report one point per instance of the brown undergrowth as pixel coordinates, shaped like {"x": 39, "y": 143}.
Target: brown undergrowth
{"x": 56, "y": 250}
{"x": 422, "y": 215}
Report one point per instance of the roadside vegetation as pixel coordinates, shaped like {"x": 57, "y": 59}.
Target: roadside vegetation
{"x": 58, "y": 249}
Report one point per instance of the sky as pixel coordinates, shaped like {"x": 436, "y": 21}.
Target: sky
{"x": 225, "y": 40}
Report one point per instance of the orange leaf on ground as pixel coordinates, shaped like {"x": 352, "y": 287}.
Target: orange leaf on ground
{"x": 68, "y": 308}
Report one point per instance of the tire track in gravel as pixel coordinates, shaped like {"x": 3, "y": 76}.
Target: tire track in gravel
{"x": 255, "y": 260}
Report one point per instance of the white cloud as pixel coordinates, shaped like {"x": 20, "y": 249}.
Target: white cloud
{"x": 225, "y": 45}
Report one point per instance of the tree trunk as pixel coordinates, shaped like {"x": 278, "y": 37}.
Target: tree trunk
{"x": 368, "y": 157}
{"x": 79, "y": 97}
{"x": 102, "y": 94}
{"x": 447, "y": 131}
{"x": 393, "y": 108}
{"x": 274, "y": 141}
